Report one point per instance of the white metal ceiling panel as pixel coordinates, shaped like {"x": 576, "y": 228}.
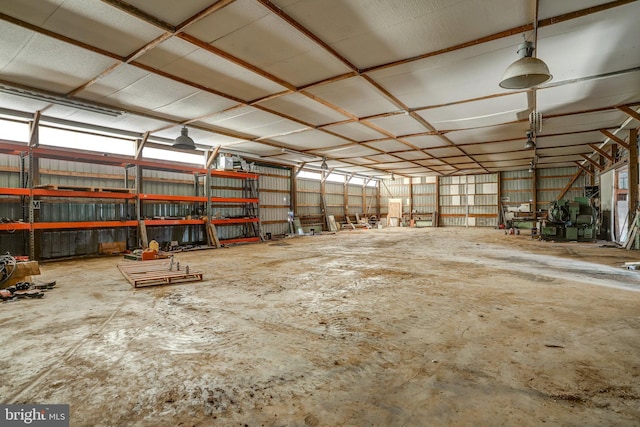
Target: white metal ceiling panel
{"x": 14, "y": 39}
{"x": 388, "y": 145}
{"x": 248, "y": 31}
{"x": 414, "y": 171}
{"x": 430, "y": 162}
{"x": 361, "y": 161}
{"x": 110, "y": 85}
{"x": 179, "y": 58}
{"x": 462, "y": 74}
{"x": 399, "y": 124}
{"x": 310, "y": 140}
{"x": 549, "y": 8}
{"x": 481, "y": 113}
{"x": 46, "y": 63}
{"x": 381, "y": 31}
{"x": 355, "y": 131}
{"x": 333, "y": 164}
{"x": 356, "y": 169}
{"x": 195, "y": 105}
{"x": 355, "y": 95}
{"x": 556, "y": 159}
{"x": 385, "y": 158}
{"x": 456, "y": 160}
{"x": 561, "y": 151}
{"x": 253, "y": 121}
{"x": 445, "y": 169}
{"x": 152, "y": 92}
{"x": 32, "y": 11}
{"x": 497, "y": 157}
{"x": 570, "y": 139}
{"x": 507, "y": 163}
{"x": 444, "y": 152}
{"x": 412, "y": 155}
{"x": 591, "y": 94}
{"x": 489, "y": 134}
{"x": 21, "y": 104}
{"x": 171, "y": 11}
{"x": 100, "y": 25}
{"x": 349, "y": 151}
{"x": 426, "y": 141}
{"x": 593, "y": 44}
{"x": 255, "y": 148}
{"x": 583, "y": 122}
{"x": 397, "y": 165}
{"x": 304, "y": 109}
{"x": 494, "y": 147}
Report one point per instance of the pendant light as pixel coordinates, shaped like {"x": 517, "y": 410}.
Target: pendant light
{"x": 526, "y": 72}
{"x": 530, "y": 144}
{"x": 184, "y": 142}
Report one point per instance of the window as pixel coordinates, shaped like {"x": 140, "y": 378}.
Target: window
{"x": 82, "y": 141}
{"x": 14, "y": 131}
{"x": 623, "y": 180}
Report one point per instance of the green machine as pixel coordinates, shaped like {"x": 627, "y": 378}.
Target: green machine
{"x": 575, "y": 220}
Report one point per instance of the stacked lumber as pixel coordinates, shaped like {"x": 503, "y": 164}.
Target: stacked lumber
{"x": 633, "y": 233}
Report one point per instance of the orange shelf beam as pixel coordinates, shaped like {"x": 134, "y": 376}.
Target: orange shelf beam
{"x": 241, "y": 240}
{"x": 151, "y": 222}
{"x": 14, "y": 191}
{"x": 233, "y": 221}
{"x": 11, "y": 226}
{"x": 233, "y": 200}
{"x": 231, "y": 174}
{"x": 83, "y": 224}
{"x": 83, "y": 194}
{"x": 169, "y": 198}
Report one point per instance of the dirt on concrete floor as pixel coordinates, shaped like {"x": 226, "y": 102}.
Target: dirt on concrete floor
{"x": 391, "y": 327}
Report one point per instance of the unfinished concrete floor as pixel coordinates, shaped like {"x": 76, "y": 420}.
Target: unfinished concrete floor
{"x": 393, "y": 327}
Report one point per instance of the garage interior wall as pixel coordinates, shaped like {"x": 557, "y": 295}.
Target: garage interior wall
{"x": 471, "y": 200}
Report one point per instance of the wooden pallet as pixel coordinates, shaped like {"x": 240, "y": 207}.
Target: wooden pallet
{"x": 153, "y": 273}
{"x": 84, "y": 188}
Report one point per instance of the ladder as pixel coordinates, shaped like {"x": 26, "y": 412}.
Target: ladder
{"x": 252, "y": 209}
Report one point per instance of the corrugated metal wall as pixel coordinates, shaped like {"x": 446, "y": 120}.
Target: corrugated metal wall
{"x": 338, "y": 196}
{"x": 68, "y": 243}
{"x": 64, "y": 172}
{"x": 466, "y": 200}
{"x": 275, "y": 199}
{"x": 394, "y": 189}
{"x": 334, "y": 193}
{"x": 516, "y": 188}
{"x": 425, "y": 195}
{"x": 354, "y": 199}
{"x": 470, "y": 200}
{"x": 552, "y": 181}
{"x": 371, "y": 201}
{"x": 308, "y": 197}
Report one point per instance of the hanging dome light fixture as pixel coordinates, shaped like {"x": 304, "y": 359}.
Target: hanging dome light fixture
{"x": 526, "y": 72}
{"x": 324, "y": 166}
{"x": 530, "y": 144}
{"x": 184, "y": 141}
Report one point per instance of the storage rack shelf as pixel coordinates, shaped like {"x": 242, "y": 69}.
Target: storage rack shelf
{"x": 132, "y": 197}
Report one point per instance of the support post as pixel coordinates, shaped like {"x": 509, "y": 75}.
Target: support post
{"x": 633, "y": 173}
